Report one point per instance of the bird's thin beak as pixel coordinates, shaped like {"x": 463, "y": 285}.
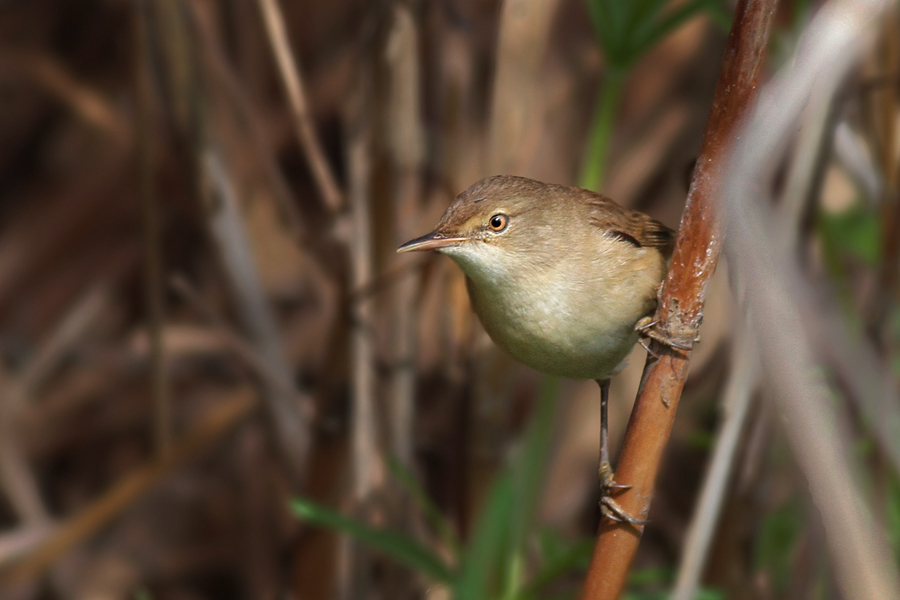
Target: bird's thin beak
{"x": 431, "y": 241}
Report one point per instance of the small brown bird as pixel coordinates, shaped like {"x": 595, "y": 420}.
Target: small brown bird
{"x": 559, "y": 277}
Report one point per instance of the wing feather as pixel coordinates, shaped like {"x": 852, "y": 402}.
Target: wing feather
{"x": 631, "y": 226}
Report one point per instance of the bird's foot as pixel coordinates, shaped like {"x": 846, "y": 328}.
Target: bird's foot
{"x": 609, "y": 508}
{"x": 680, "y": 340}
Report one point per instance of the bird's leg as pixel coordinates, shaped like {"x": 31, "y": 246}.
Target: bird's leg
{"x": 608, "y": 507}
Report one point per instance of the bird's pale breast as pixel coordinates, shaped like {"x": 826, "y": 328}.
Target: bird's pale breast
{"x": 574, "y": 317}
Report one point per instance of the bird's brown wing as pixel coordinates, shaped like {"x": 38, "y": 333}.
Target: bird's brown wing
{"x": 630, "y": 225}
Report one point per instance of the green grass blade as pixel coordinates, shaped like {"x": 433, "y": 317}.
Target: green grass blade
{"x": 593, "y": 171}
{"x": 652, "y": 32}
{"x": 619, "y": 16}
{"x": 431, "y": 512}
{"x": 494, "y": 558}
{"x": 530, "y": 466}
{"x": 485, "y": 552}
{"x": 645, "y": 12}
{"x": 608, "y": 34}
{"x": 720, "y": 16}
{"x": 528, "y": 470}
{"x": 401, "y": 548}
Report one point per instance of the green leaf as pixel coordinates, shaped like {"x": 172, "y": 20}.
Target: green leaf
{"x": 528, "y": 470}
{"x": 856, "y": 231}
{"x": 486, "y": 548}
{"x": 701, "y": 440}
{"x": 650, "y": 576}
{"x": 720, "y": 17}
{"x": 431, "y": 512}
{"x": 401, "y": 548}
{"x": 626, "y": 30}
{"x": 658, "y": 579}
{"x": 593, "y": 171}
{"x": 709, "y": 594}
{"x": 530, "y": 466}
{"x": 653, "y": 31}
{"x": 659, "y": 595}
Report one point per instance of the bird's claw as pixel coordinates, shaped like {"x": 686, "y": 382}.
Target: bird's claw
{"x": 609, "y": 508}
{"x": 612, "y": 485}
{"x": 612, "y": 511}
{"x": 682, "y": 340}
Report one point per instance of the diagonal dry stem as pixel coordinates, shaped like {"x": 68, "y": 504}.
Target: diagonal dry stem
{"x": 84, "y": 101}
{"x": 287, "y": 419}
{"x": 681, "y": 304}
{"x": 293, "y": 84}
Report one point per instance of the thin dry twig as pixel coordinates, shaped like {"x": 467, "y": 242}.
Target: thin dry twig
{"x": 242, "y": 348}
{"x": 680, "y": 308}
{"x": 16, "y": 476}
{"x": 21, "y": 541}
{"x": 101, "y": 511}
{"x": 853, "y": 155}
{"x": 261, "y": 561}
{"x": 153, "y": 259}
{"x": 407, "y": 152}
{"x": 249, "y": 117}
{"x": 226, "y": 223}
{"x": 777, "y": 301}
{"x": 84, "y": 101}
{"x": 191, "y": 107}
{"x": 368, "y": 472}
{"x": 367, "y": 463}
{"x": 77, "y": 321}
{"x": 303, "y": 125}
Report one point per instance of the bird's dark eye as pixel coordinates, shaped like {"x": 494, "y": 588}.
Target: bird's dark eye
{"x": 498, "y": 222}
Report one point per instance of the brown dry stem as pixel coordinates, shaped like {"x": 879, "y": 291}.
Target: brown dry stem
{"x": 152, "y": 225}
{"x": 303, "y": 125}
{"x": 404, "y": 115}
{"x": 681, "y": 304}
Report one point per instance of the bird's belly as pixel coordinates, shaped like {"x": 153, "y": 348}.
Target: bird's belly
{"x": 543, "y": 332}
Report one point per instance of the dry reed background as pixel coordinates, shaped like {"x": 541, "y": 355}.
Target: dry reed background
{"x": 202, "y": 316}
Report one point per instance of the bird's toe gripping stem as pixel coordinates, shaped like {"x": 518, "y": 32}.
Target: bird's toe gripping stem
{"x": 609, "y": 508}
{"x": 680, "y": 338}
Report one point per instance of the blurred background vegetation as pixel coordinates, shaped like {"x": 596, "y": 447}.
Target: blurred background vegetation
{"x": 213, "y": 365}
